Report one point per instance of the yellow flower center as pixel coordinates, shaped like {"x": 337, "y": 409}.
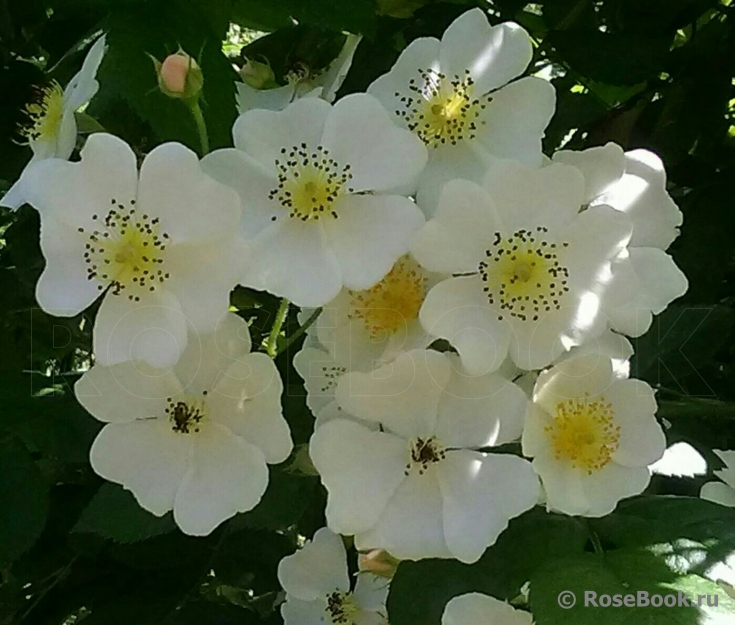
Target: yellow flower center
{"x": 392, "y": 303}
{"x": 584, "y": 433}
{"x": 186, "y": 414}
{"x": 126, "y": 251}
{"x": 442, "y": 110}
{"x": 45, "y": 114}
{"x": 341, "y": 608}
{"x": 523, "y": 276}
{"x": 309, "y": 183}
{"x": 423, "y": 453}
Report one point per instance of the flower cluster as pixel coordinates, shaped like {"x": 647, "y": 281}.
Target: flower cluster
{"x": 473, "y": 293}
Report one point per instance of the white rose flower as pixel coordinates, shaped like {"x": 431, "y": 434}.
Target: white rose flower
{"x": 592, "y": 434}
{"x": 460, "y": 97}
{"x": 478, "y": 609}
{"x": 645, "y": 278}
{"x": 315, "y": 182}
{"x": 532, "y": 266}
{"x": 420, "y": 486}
{"x": 606, "y": 345}
{"x": 376, "y": 324}
{"x": 51, "y": 130}
{"x": 196, "y": 438}
{"x": 360, "y": 330}
{"x": 323, "y": 85}
{"x": 722, "y": 492}
{"x": 159, "y": 247}
{"x": 318, "y": 591}
{"x": 321, "y": 372}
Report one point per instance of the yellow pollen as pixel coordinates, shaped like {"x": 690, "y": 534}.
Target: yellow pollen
{"x": 442, "y": 110}
{"x": 584, "y": 433}
{"x": 523, "y": 272}
{"x": 309, "y": 183}
{"x": 187, "y": 413}
{"x": 44, "y": 115}
{"x": 523, "y": 276}
{"x": 392, "y": 303}
{"x": 126, "y": 251}
{"x": 341, "y": 608}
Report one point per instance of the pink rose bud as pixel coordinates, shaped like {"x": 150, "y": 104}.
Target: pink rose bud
{"x": 179, "y": 76}
{"x": 174, "y": 70}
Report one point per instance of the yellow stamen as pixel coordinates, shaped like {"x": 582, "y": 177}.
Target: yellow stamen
{"x": 584, "y": 433}
{"x": 309, "y": 183}
{"x": 45, "y": 114}
{"x": 442, "y": 110}
{"x": 523, "y": 276}
{"x": 126, "y": 251}
{"x": 341, "y": 608}
{"x": 392, "y": 303}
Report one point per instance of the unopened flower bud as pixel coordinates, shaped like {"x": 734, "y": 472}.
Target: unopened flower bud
{"x": 378, "y": 562}
{"x": 258, "y": 75}
{"x": 179, "y": 76}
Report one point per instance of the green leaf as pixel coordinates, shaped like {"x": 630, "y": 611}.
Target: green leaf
{"x": 655, "y": 16}
{"x": 283, "y": 503}
{"x": 169, "y": 550}
{"x": 210, "y": 613}
{"x": 574, "y": 110}
{"x": 24, "y": 497}
{"x": 568, "y": 14}
{"x": 143, "y": 597}
{"x": 706, "y": 245}
{"x": 114, "y": 514}
{"x": 666, "y": 544}
{"x": 43, "y": 412}
{"x": 260, "y": 15}
{"x": 620, "y": 572}
{"x": 249, "y": 559}
{"x": 355, "y": 16}
{"x": 399, "y": 8}
{"x": 683, "y": 524}
{"x": 217, "y": 13}
{"x": 618, "y": 59}
{"x": 680, "y": 341}
{"x": 420, "y": 590}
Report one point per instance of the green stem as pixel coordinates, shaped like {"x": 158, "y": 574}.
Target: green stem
{"x": 696, "y": 407}
{"x": 295, "y": 336}
{"x": 196, "y": 112}
{"x": 595, "y": 539}
{"x": 271, "y": 345}
{"x": 58, "y": 576}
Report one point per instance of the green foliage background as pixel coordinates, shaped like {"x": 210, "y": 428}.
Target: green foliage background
{"x": 656, "y": 74}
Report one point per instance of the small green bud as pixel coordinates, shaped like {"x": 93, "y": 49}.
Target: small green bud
{"x": 258, "y": 75}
